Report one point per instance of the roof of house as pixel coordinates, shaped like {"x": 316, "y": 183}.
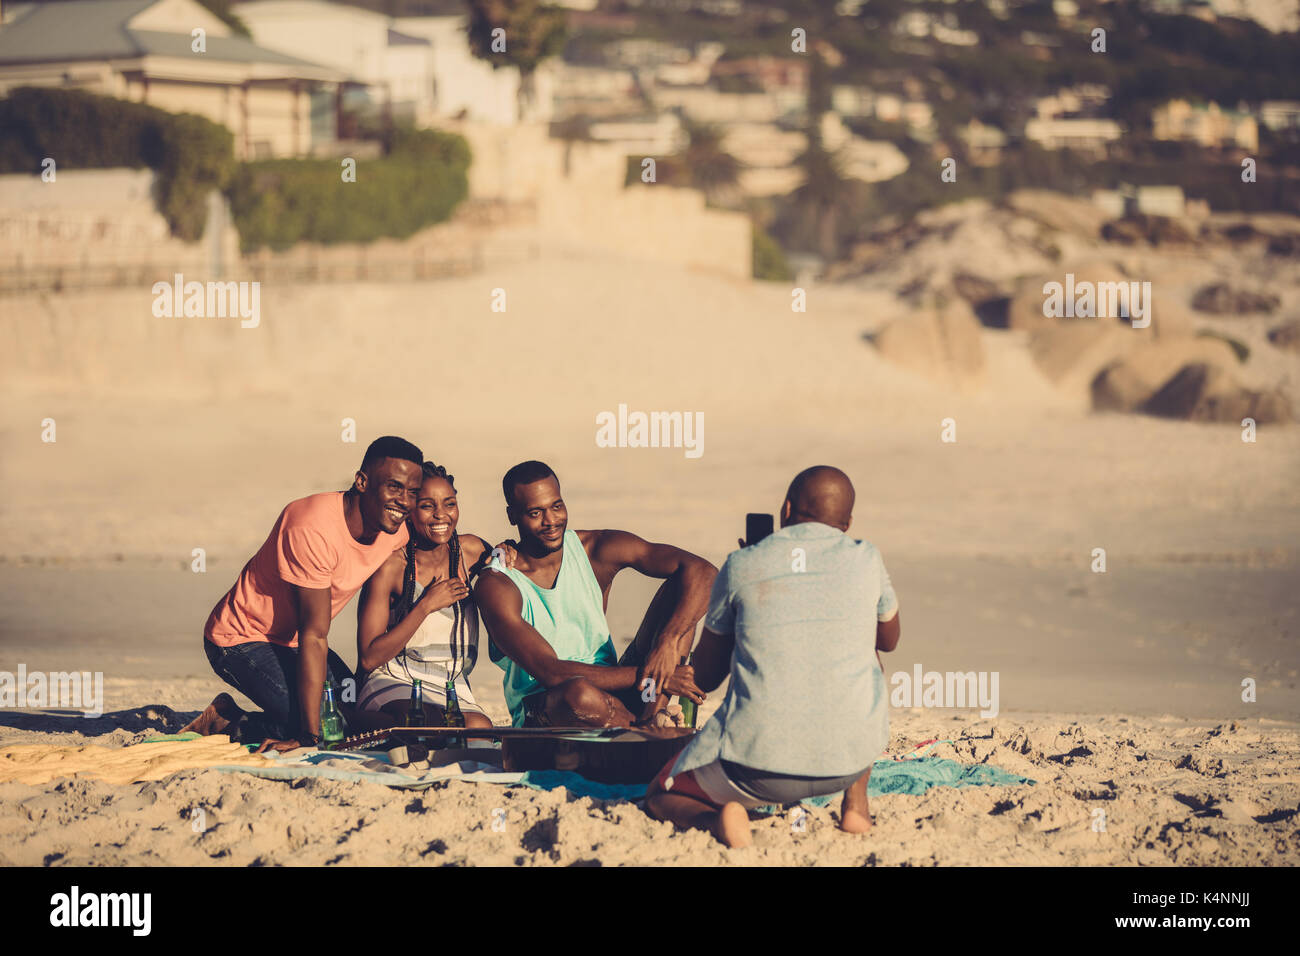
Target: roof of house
{"x": 396, "y": 38}
{"x": 69, "y": 30}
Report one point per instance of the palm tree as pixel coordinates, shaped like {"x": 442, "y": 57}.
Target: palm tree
{"x": 825, "y": 190}
{"x": 574, "y": 129}
{"x": 533, "y": 32}
{"x": 823, "y": 196}
{"x": 705, "y": 165}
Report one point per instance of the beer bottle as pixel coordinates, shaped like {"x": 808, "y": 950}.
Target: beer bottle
{"x": 451, "y": 715}
{"x": 688, "y": 705}
{"x": 415, "y": 713}
{"x": 331, "y": 720}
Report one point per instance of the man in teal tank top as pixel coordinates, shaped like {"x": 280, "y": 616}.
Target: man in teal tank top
{"x": 546, "y": 616}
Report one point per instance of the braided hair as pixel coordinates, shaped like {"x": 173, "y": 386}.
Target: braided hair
{"x": 401, "y": 604}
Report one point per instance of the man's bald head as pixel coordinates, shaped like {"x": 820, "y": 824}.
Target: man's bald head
{"x": 820, "y": 493}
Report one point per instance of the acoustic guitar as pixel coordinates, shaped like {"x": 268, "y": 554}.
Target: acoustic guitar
{"x": 603, "y": 754}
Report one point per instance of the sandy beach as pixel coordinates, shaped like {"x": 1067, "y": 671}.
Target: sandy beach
{"x": 1112, "y": 791}
{"x": 1120, "y": 691}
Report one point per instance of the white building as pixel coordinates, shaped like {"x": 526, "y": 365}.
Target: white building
{"x": 594, "y": 91}
{"x": 984, "y": 143}
{"x": 466, "y": 85}
{"x": 853, "y": 100}
{"x": 697, "y": 70}
{"x": 1147, "y": 200}
{"x": 393, "y": 70}
{"x": 418, "y": 67}
{"x": 660, "y": 135}
{"x": 1205, "y": 124}
{"x": 705, "y": 104}
{"x": 768, "y": 155}
{"x": 1082, "y": 134}
{"x": 1085, "y": 99}
{"x": 1280, "y": 114}
{"x": 274, "y": 103}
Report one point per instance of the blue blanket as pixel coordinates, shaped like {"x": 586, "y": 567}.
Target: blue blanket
{"x": 888, "y": 776}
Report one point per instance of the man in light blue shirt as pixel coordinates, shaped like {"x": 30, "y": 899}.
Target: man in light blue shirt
{"x": 795, "y": 620}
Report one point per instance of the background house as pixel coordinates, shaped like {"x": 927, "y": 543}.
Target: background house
{"x": 1204, "y": 124}
{"x": 143, "y": 50}
{"x": 388, "y": 70}
{"x": 419, "y": 68}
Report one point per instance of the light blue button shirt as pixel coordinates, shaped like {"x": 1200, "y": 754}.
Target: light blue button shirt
{"x": 807, "y": 696}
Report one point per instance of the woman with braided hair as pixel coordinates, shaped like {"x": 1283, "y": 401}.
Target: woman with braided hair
{"x": 417, "y": 619}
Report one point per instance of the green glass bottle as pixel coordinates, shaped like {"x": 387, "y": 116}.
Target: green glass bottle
{"x": 688, "y": 705}
{"x": 415, "y": 713}
{"x": 452, "y": 716}
{"x": 331, "y": 720}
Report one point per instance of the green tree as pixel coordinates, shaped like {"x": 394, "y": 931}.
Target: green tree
{"x": 191, "y": 155}
{"x": 533, "y": 31}
{"x": 574, "y": 129}
{"x": 826, "y": 191}
{"x": 708, "y": 167}
{"x": 769, "y": 260}
{"x": 221, "y": 9}
{"x": 822, "y": 198}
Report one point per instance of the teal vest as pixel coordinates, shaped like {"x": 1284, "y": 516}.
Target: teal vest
{"x": 570, "y": 616}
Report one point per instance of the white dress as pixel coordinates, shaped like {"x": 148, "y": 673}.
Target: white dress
{"x": 429, "y": 656}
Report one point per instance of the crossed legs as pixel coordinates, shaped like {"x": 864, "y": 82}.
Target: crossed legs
{"x": 579, "y": 703}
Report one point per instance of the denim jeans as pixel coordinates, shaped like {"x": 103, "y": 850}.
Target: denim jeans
{"x": 267, "y": 674}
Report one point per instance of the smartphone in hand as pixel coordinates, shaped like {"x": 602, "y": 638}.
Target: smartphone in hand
{"x": 757, "y": 527}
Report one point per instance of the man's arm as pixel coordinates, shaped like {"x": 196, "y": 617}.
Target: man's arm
{"x": 712, "y": 659}
{"x": 313, "y": 654}
{"x": 501, "y": 607}
{"x": 887, "y": 625}
{"x": 611, "y": 551}
{"x": 887, "y": 634}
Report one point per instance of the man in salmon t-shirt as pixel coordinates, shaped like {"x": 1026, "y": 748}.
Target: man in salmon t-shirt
{"x": 268, "y": 637}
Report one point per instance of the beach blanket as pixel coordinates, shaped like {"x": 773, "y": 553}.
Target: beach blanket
{"x": 160, "y": 756}
{"x": 41, "y": 763}
{"x": 912, "y": 776}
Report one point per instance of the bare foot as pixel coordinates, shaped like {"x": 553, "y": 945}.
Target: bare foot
{"x": 732, "y": 826}
{"x": 855, "y": 817}
{"x": 853, "y": 822}
{"x": 216, "y": 717}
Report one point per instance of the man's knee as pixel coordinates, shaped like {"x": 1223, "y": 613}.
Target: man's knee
{"x": 579, "y": 695}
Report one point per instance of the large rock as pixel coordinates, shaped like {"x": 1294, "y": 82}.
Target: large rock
{"x": 1153, "y": 230}
{"x": 1286, "y": 336}
{"x": 1119, "y": 388}
{"x": 1207, "y": 393}
{"x": 989, "y": 300}
{"x": 1287, "y": 244}
{"x": 1124, "y": 385}
{"x": 1026, "y": 310}
{"x": 1069, "y": 354}
{"x": 1222, "y": 299}
{"x": 1067, "y": 214}
{"x": 1166, "y": 312}
{"x": 942, "y": 344}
